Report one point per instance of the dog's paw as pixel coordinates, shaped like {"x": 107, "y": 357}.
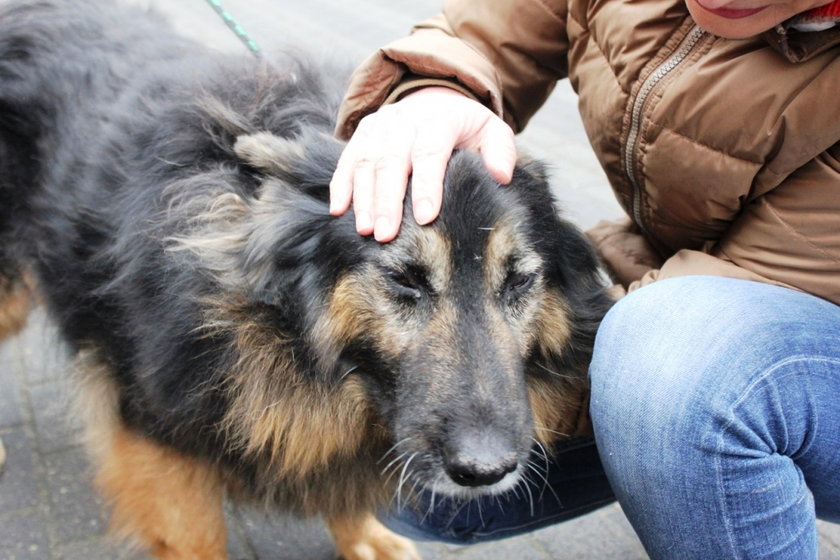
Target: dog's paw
{"x": 367, "y": 539}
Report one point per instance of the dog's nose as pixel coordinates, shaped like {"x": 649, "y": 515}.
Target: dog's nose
{"x": 479, "y": 459}
{"x": 465, "y": 472}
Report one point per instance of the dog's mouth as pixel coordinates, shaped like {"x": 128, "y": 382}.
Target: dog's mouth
{"x": 468, "y": 466}
{"x": 445, "y": 484}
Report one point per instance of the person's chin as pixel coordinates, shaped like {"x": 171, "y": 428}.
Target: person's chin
{"x": 730, "y": 23}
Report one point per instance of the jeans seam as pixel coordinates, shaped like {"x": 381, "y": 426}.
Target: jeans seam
{"x": 719, "y": 444}
{"x": 547, "y": 520}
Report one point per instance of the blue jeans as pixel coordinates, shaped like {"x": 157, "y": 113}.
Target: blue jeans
{"x": 716, "y": 406}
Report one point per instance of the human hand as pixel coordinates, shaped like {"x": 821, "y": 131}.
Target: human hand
{"x": 414, "y": 136}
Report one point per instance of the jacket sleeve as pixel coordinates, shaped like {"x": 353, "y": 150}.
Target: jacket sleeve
{"x": 509, "y": 55}
{"x": 790, "y": 236}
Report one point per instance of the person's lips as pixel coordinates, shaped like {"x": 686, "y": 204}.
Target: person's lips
{"x": 731, "y": 13}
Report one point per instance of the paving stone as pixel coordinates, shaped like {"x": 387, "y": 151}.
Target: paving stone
{"x": 604, "y": 534}
{"x": 436, "y": 551}
{"x": 73, "y": 501}
{"x": 97, "y": 549}
{"x": 19, "y": 481}
{"x": 40, "y": 354}
{"x": 239, "y": 546}
{"x": 24, "y": 537}
{"x": 828, "y": 551}
{"x": 515, "y": 548}
{"x": 53, "y": 424}
{"x": 279, "y": 537}
{"x": 10, "y": 409}
{"x": 829, "y": 540}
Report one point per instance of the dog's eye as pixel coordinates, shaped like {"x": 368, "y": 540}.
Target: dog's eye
{"x": 408, "y": 283}
{"x": 516, "y": 285}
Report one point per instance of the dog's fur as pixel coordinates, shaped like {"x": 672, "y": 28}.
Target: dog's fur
{"x": 170, "y": 204}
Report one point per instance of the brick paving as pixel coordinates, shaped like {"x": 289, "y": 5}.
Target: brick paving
{"x": 48, "y": 509}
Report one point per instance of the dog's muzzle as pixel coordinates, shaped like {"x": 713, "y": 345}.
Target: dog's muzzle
{"x": 475, "y": 458}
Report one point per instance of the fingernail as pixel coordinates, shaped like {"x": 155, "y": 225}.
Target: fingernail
{"x": 382, "y": 228}
{"x": 363, "y": 222}
{"x": 424, "y": 212}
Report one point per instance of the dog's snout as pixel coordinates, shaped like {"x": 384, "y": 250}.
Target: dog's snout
{"x": 479, "y": 459}
{"x": 465, "y": 472}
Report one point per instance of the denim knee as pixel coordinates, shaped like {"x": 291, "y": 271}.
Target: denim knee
{"x": 657, "y": 345}
{"x": 714, "y": 407}
{"x": 644, "y": 346}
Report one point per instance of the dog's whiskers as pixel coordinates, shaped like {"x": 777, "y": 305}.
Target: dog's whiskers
{"x": 393, "y": 448}
{"x": 549, "y": 430}
{"x": 542, "y": 472}
{"x": 527, "y": 487}
{"x": 557, "y": 373}
{"x": 403, "y": 478}
{"x": 499, "y": 504}
{"x": 434, "y": 486}
{"x": 170, "y": 162}
{"x": 348, "y": 372}
{"x": 412, "y": 492}
{"x": 395, "y": 464}
{"x": 539, "y": 448}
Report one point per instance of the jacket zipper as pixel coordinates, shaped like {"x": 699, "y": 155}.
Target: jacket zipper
{"x": 644, "y": 92}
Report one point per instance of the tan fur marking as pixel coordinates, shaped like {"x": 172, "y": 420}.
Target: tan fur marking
{"x": 170, "y": 503}
{"x": 267, "y": 151}
{"x": 435, "y": 251}
{"x": 301, "y": 424}
{"x": 552, "y": 322}
{"x": 15, "y": 303}
{"x": 167, "y": 502}
{"x": 358, "y": 305}
{"x": 556, "y": 409}
{"x": 349, "y": 312}
{"x": 366, "y": 538}
{"x": 503, "y": 242}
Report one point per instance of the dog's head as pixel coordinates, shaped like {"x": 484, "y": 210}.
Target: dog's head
{"x": 469, "y": 337}
{"x": 475, "y": 331}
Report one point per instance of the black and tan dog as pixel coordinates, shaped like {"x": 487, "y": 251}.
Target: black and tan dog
{"x": 169, "y": 205}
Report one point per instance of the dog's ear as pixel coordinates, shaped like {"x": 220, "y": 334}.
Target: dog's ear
{"x": 268, "y": 152}
{"x": 263, "y": 243}
{"x": 534, "y": 169}
{"x": 306, "y": 161}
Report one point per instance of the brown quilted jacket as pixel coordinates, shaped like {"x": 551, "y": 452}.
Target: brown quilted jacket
{"x": 725, "y": 153}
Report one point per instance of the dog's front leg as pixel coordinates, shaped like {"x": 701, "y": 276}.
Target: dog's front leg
{"x": 365, "y": 538}
{"x": 171, "y": 504}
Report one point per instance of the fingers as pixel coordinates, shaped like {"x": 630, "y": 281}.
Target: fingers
{"x": 372, "y": 172}
{"x": 389, "y": 151}
{"x": 341, "y": 185}
{"x": 391, "y": 176}
{"x": 429, "y": 157}
{"x": 498, "y": 150}
{"x": 414, "y": 136}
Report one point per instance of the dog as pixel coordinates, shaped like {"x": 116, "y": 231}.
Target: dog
{"x": 169, "y": 206}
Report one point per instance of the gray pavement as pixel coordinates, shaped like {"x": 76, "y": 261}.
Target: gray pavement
{"x": 48, "y": 509}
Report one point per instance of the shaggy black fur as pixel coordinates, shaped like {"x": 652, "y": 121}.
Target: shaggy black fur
{"x": 99, "y": 115}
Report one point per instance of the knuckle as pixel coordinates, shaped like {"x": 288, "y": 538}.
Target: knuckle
{"x": 389, "y": 161}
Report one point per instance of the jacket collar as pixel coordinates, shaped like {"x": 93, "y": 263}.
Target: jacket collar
{"x": 797, "y": 45}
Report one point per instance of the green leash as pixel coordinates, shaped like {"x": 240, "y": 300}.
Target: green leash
{"x": 235, "y": 27}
